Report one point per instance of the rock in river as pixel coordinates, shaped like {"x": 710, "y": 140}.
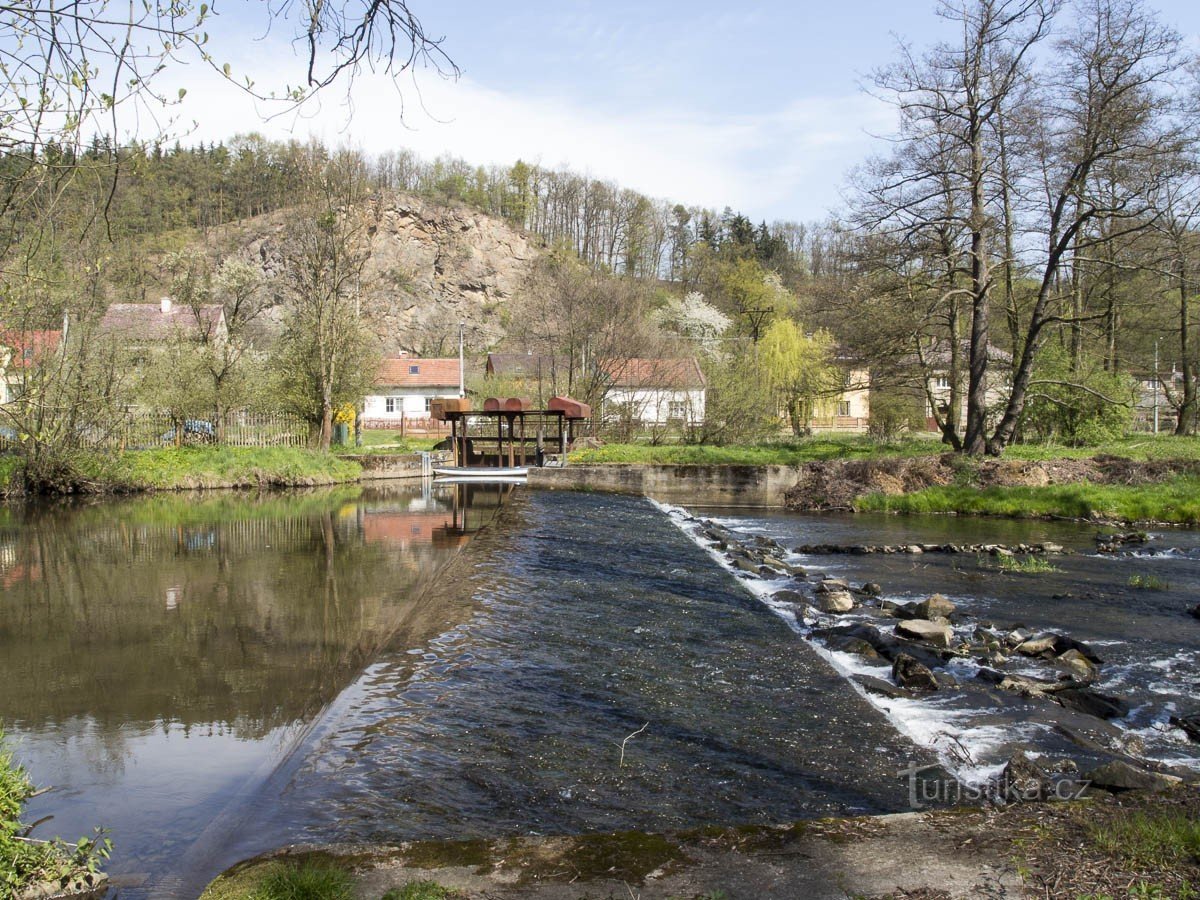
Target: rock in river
{"x": 935, "y": 606}
{"x": 835, "y": 601}
{"x": 1121, "y": 776}
{"x": 924, "y": 630}
{"x": 913, "y": 675}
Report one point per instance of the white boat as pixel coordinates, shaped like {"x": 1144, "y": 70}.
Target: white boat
{"x": 453, "y": 479}
{"x": 481, "y": 472}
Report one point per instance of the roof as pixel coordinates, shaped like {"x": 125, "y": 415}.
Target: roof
{"x": 412, "y": 371}
{"x": 526, "y": 365}
{"x": 679, "y": 374}
{"x": 29, "y": 347}
{"x": 149, "y": 322}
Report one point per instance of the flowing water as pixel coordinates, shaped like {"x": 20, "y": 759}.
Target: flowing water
{"x": 211, "y": 678}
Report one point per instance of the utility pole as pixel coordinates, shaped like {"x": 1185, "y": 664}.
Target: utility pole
{"x": 462, "y": 371}
{"x": 1156, "y": 385}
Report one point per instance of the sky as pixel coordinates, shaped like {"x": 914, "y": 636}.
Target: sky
{"x": 755, "y": 106}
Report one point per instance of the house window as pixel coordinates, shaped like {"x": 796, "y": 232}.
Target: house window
{"x": 942, "y": 381}
{"x": 843, "y": 408}
{"x": 414, "y": 370}
{"x": 428, "y": 401}
{"x": 389, "y": 404}
{"x": 676, "y": 409}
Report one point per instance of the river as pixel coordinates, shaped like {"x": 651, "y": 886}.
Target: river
{"x": 213, "y": 677}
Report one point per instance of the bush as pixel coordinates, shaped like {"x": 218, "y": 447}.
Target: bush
{"x": 24, "y": 863}
{"x": 1085, "y": 407}
{"x": 892, "y": 414}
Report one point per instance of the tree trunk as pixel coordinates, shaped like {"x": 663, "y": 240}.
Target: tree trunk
{"x": 1185, "y": 423}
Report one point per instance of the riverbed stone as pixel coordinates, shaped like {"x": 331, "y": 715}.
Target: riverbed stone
{"x": 913, "y": 675}
{"x": 1118, "y": 775}
{"x": 1022, "y": 780}
{"x": 883, "y": 688}
{"x": 924, "y": 630}
{"x": 835, "y": 601}
{"x": 745, "y": 565}
{"x": 1195, "y": 611}
{"x": 856, "y": 646}
{"x": 1077, "y": 664}
{"x": 789, "y": 596}
{"x": 935, "y": 606}
{"x": 1093, "y": 703}
{"x": 870, "y": 589}
{"x": 1040, "y": 645}
{"x": 830, "y": 585}
{"x": 1190, "y": 725}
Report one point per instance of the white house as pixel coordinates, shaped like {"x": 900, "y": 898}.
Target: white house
{"x": 655, "y": 391}
{"x": 404, "y": 387}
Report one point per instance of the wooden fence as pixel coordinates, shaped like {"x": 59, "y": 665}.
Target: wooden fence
{"x": 144, "y": 430}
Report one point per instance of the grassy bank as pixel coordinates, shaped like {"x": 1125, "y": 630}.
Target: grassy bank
{"x": 212, "y": 467}
{"x": 1176, "y": 501}
{"x": 822, "y": 448}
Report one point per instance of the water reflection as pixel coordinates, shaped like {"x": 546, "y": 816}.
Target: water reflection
{"x": 159, "y": 654}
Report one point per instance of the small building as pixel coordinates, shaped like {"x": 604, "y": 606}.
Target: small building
{"x": 403, "y": 390}
{"x": 530, "y": 374}
{"x": 654, "y": 391}
{"x": 849, "y": 410}
{"x": 21, "y": 352}
{"x": 145, "y": 325}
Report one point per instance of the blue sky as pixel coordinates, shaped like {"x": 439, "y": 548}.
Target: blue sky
{"x": 756, "y": 106}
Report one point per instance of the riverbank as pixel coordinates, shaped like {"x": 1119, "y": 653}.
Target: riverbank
{"x": 1124, "y": 845}
{"x": 189, "y": 468}
{"x": 1101, "y": 488}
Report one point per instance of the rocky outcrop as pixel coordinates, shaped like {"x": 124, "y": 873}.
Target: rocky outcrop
{"x": 429, "y": 268}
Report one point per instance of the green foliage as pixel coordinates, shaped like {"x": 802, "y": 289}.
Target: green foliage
{"x": 24, "y": 863}
{"x": 420, "y": 890}
{"x": 892, "y": 413}
{"x": 1150, "y": 839}
{"x": 1148, "y": 583}
{"x": 307, "y": 881}
{"x": 799, "y": 370}
{"x": 1176, "y": 501}
{"x": 1083, "y": 407}
{"x": 1025, "y": 565}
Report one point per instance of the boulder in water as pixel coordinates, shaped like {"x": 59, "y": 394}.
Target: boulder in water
{"x": 924, "y": 630}
{"x": 913, "y": 675}
{"x": 1118, "y": 775}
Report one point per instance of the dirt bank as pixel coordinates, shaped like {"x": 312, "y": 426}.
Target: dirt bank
{"x": 838, "y": 485}
{"x": 1046, "y": 850}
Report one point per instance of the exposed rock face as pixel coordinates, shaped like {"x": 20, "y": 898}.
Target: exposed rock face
{"x": 430, "y": 267}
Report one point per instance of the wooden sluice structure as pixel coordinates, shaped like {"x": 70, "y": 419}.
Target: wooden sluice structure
{"x": 508, "y": 432}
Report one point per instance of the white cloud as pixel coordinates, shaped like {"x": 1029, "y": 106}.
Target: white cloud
{"x": 781, "y": 164}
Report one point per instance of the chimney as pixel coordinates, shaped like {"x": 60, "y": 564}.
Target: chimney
{"x": 165, "y": 305}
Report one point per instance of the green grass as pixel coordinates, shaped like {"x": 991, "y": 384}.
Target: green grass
{"x": 1157, "y": 839}
{"x": 206, "y": 467}
{"x": 308, "y": 881}
{"x": 782, "y": 453}
{"x": 857, "y": 446}
{"x": 1025, "y": 565}
{"x": 1148, "y": 583}
{"x": 420, "y": 890}
{"x": 1176, "y": 501}
{"x": 385, "y": 441}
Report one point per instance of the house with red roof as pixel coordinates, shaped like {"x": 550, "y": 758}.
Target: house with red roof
{"x": 21, "y": 352}
{"x": 404, "y": 387}
{"x": 148, "y": 324}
